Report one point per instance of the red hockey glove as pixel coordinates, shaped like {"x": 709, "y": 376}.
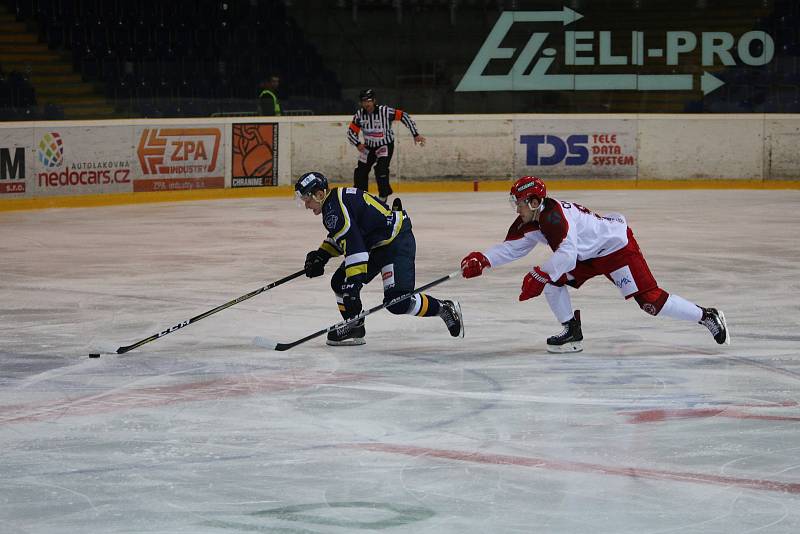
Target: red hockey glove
{"x": 533, "y": 284}
{"x": 473, "y": 264}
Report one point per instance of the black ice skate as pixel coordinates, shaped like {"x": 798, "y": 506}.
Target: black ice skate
{"x": 714, "y": 320}
{"x": 450, "y": 312}
{"x": 397, "y": 205}
{"x": 570, "y": 339}
{"x": 348, "y": 336}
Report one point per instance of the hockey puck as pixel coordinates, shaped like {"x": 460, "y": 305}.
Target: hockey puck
{"x": 94, "y": 355}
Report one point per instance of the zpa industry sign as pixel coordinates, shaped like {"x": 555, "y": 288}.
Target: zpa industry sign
{"x": 530, "y": 70}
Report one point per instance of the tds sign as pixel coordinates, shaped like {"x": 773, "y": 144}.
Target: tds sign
{"x": 572, "y": 151}
{"x": 12, "y": 170}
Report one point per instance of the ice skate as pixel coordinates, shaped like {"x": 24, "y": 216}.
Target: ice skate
{"x": 450, "y": 313}
{"x": 570, "y": 339}
{"x": 714, "y": 320}
{"x": 348, "y": 336}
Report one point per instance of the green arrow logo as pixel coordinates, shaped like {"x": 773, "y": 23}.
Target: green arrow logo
{"x": 539, "y": 80}
{"x": 474, "y": 80}
{"x": 709, "y": 82}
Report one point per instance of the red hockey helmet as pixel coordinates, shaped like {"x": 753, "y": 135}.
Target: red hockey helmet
{"x": 527, "y": 187}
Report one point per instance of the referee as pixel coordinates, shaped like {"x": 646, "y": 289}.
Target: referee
{"x": 375, "y": 122}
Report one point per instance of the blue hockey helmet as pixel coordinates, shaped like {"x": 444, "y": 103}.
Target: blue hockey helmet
{"x": 309, "y": 183}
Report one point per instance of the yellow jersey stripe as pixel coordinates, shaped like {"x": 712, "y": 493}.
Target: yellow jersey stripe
{"x": 355, "y": 270}
{"x": 346, "y": 215}
{"x": 424, "y": 308}
{"x": 398, "y": 224}
{"x": 330, "y": 249}
{"x": 372, "y": 201}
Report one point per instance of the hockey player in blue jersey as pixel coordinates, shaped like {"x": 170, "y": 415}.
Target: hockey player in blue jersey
{"x": 373, "y": 240}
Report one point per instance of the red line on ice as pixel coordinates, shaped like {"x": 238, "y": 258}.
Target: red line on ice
{"x": 580, "y": 467}
{"x": 653, "y": 416}
{"x": 147, "y": 397}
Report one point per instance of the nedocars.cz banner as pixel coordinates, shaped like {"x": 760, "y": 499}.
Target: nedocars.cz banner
{"x": 81, "y": 160}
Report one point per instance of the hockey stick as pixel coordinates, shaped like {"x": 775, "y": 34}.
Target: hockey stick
{"x": 123, "y": 350}
{"x": 268, "y": 344}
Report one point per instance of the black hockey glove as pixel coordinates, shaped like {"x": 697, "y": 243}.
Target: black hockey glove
{"x": 315, "y": 263}
{"x": 351, "y": 295}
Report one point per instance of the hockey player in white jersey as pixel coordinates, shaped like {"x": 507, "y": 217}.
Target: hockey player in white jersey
{"x": 584, "y": 245}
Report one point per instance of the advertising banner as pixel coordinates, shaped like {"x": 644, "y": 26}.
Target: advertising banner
{"x": 81, "y": 160}
{"x": 16, "y": 162}
{"x": 581, "y": 149}
{"x": 254, "y": 154}
{"x": 179, "y": 157}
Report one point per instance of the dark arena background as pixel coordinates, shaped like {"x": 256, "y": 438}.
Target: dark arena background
{"x": 79, "y": 59}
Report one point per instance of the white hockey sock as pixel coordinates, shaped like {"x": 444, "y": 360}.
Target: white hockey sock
{"x": 680, "y": 308}
{"x": 559, "y": 301}
{"x": 415, "y": 306}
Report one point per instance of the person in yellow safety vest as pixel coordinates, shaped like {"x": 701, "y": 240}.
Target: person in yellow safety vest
{"x": 268, "y": 97}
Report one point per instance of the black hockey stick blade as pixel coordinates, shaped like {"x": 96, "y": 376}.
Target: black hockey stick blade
{"x": 187, "y": 322}
{"x": 263, "y": 342}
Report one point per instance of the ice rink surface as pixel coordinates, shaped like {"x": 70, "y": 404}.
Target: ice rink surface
{"x": 654, "y": 428}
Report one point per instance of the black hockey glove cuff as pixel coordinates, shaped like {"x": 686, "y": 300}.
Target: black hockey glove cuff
{"x": 315, "y": 263}
{"x": 351, "y": 295}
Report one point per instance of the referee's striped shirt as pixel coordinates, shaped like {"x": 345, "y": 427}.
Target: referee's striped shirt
{"x": 377, "y": 126}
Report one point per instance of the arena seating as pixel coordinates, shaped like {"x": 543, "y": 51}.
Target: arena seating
{"x": 190, "y": 57}
{"x": 195, "y": 58}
